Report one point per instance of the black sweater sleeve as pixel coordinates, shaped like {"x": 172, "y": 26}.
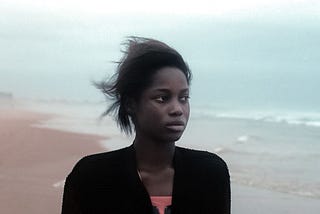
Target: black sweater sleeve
{"x": 70, "y": 204}
{"x": 223, "y": 185}
{"x": 70, "y": 201}
{"x": 227, "y": 192}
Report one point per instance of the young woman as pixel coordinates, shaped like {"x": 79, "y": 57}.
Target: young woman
{"x": 150, "y": 93}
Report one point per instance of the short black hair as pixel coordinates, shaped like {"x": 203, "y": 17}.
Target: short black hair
{"x": 142, "y": 58}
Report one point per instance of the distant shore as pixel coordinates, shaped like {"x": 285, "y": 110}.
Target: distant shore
{"x": 35, "y": 161}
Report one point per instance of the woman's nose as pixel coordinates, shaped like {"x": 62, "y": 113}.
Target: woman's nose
{"x": 176, "y": 108}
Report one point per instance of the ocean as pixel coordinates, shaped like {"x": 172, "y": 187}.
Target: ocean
{"x": 276, "y": 151}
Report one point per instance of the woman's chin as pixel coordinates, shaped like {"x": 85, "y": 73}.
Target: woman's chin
{"x": 173, "y": 137}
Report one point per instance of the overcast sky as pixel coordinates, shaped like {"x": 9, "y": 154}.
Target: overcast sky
{"x": 46, "y": 44}
{"x": 211, "y": 7}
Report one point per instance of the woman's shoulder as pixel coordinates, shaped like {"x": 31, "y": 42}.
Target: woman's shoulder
{"x": 201, "y": 159}
{"x": 94, "y": 163}
{"x": 104, "y": 156}
{"x": 198, "y": 154}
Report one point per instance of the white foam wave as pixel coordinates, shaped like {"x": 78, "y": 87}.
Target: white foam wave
{"x": 285, "y": 186}
{"x": 311, "y": 119}
{"x": 59, "y": 184}
{"x": 219, "y": 150}
{"x": 243, "y": 139}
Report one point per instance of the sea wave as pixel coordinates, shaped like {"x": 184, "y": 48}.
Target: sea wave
{"x": 311, "y": 119}
{"x": 293, "y": 187}
{"x": 89, "y": 109}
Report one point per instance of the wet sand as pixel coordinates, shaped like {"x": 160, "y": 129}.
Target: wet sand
{"x": 35, "y": 161}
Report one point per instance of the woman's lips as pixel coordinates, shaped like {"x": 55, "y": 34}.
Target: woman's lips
{"x": 175, "y": 127}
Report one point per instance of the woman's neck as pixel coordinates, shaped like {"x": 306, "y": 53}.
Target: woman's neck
{"x": 153, "y": 156}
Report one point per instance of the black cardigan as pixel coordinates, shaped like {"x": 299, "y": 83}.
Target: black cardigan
{"x": 108, "y": 183}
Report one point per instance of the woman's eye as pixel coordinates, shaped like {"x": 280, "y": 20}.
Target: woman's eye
{"x": 185, "y": 98}
{"x": 161, "y": 99}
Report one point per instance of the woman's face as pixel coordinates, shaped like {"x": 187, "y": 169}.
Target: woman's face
{"x": 162, "y": 111}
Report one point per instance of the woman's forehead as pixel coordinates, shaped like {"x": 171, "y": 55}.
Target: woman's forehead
{"x": 169, "y": 76}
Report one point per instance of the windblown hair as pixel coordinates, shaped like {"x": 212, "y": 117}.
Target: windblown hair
{"x": 142, "y": 58}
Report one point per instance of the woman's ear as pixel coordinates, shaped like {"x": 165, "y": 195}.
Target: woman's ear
{"x": 129, "y": 110}
{"x": 130, "y": 106}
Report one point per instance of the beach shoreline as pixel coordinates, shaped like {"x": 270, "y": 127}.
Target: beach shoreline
{"x": 35, "y": 161}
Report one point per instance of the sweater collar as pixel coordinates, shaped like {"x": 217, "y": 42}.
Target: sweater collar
{"x": 142, "y": 198}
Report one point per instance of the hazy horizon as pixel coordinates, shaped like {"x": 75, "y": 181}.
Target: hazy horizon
{"x": 255, "y": 55}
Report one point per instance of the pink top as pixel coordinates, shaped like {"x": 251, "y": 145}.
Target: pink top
{"x": 161, "y": 202}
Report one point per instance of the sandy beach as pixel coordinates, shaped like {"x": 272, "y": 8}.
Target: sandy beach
{"x": 35, "y": 161}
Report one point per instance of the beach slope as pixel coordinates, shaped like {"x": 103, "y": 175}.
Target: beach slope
{"x": 35, "y": 161}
